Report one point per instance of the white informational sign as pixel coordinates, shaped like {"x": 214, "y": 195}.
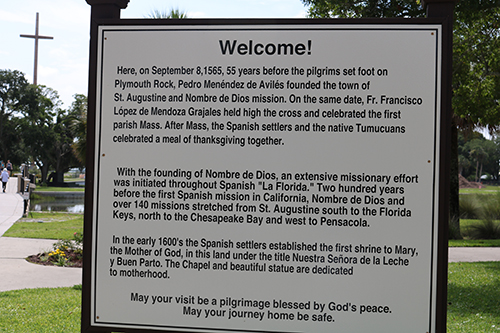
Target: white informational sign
{"x": 266, "y": 178}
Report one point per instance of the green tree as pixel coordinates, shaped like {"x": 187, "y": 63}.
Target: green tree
{"x": 12, "y": 86}
{"x": 173, "y": 13}
{"x": 61, "y": 155}
{"x": 478, "y": 154}
{"x": 476, "y": 143}
{"x": 47, "y": 131}
{"x": 463, "y": 164}
{"x": 33, "y": 127}
{"x": 38, "y": 106}
{"x": 79, "y": 110}
{"x": 495, "y": 174}
{"x": 476, "y": 68}
{"x": 485, "y": 155}
{"x": 476, "y": 62}
{"x": 490, "y": 166}
{"x": 363, "y": 8}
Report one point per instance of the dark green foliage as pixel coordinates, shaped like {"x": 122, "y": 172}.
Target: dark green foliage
{"x": 486, "y": 229}
{"x": 34, "y": 127}
{"x": 165, "y": 14}
{"x": 79, "y": 112}
{"x": 485, "y": 155}
{"x": 359, "y": 8}
{"x": 489, "y": 227}
{"x": 476, "y": 62}
{"x": 12, "y": 87}
{"x": 468, "y": 207}
{"x": 490, "y": 206}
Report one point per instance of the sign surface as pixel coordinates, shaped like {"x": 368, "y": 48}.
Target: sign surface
{"x": 266, "y": 178}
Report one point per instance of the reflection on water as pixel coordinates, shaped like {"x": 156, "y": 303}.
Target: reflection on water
{"x": 59, "y": 205}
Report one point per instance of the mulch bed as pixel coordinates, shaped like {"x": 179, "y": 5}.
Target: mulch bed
{"x": 73, "y": 259}
{"x": 464, "y": 183}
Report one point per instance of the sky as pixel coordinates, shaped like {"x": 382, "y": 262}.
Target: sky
{"x": 63, "y": 61}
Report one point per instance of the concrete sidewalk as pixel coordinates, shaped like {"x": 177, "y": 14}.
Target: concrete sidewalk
{"x": 473, "y": 254}
{"x": 11, "y": 206}
{"x": 15, "y": 271}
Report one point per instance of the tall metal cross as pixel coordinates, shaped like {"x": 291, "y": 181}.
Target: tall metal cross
{"x": 36, "y": 36}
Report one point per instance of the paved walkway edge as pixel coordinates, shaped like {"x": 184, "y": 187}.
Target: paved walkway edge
{"x": 11, "y": 206}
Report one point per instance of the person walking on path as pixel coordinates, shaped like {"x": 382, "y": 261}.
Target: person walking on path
{"x": 5, "y": 179}
{"x": 9, "y": 167}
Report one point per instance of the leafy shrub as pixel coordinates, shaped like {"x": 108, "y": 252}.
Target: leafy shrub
{"x": 58, "y": 256}
{"x": 453, "y": 231}
{"x": 485, "y": 207}
{"x": 66, "y": 251}
{"x": 486, "y": 229}
{"x": 468, "y": 207}
{"x": 490, "y": 209}
{"x": 37, "y": 197}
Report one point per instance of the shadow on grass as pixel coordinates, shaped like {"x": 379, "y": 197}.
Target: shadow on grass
{"x": 473, "y": 296}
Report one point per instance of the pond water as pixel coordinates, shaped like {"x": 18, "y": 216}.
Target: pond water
{"x": 59, "y": 205}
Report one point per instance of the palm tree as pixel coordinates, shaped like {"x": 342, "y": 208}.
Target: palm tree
{"x": 463, "y": 164}
{"x": 79, "y": 109}
{"x": 174, "y": 13}
{"x": 478, "y": 154}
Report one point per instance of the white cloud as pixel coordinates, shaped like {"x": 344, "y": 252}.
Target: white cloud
{"x": 196, "y": 14}
{"x": 47, "y": 71}
{"x": 9, "y": 16}
{"x": 302, "y": 14}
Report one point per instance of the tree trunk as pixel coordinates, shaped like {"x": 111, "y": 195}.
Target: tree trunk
{"x": 480, "y": 172}
{"x": 454, "y": 187}
{"x": 59, "y": 177}
{"x": 44, "y": 170}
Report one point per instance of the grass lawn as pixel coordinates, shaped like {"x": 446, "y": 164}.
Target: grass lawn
{"x": 474, "y": 297}
{"x": 47, "y": 225}
{"x": 474, "y": 243}
{"x": 59, "y": 189}
{"x": 44, "y": 310}
{"x": 485, "y": 189}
